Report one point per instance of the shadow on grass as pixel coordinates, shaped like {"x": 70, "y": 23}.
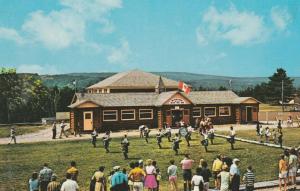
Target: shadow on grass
{"x": 238, "y": 149}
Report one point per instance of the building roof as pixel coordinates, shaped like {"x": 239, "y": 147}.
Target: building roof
{"x": 134, "y": 79}
{"x": 154, "y": 99}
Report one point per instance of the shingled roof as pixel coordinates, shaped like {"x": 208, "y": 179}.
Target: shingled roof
{"x": 154, "y": 99}
{"x": 134, "y": 79}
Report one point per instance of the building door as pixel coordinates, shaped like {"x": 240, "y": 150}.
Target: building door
{"x": 88, "y": 121}
{"x": 177, "y": 116}
{"x": 249, "y": 114}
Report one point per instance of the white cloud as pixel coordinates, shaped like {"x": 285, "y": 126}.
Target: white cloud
{"x": 10, "y": 34}
{"x": 34, "y": 68}
{"x": 121, "y": 54}
{"x": 280, "y": 17}
{"x": 236, "y": 27}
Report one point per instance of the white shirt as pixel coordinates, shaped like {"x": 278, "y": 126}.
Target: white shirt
{"x": 232, "y": 132}
{"x": 69, "y": 185}
{"x": 150, "y": 170}
{"x": 196, "y": 180}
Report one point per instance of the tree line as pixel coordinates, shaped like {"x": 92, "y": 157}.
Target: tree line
{"x": 24, "y": 97}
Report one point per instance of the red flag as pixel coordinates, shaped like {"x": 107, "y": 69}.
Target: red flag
{"x": 184, "y": 87}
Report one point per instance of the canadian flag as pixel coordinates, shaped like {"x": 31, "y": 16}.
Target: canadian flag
{"x": 184, "y": 87}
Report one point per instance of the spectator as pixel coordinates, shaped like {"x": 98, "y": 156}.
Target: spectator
{"x": 172, "y": 173}
{"x": 150, "y": 179}
{"x": 197, "y": 180}
{"x": 130, "y": 183}
{"x": 137, "y": 176}
{"x": 293, "y": 166}
{"x": 34, "y": 182}
{"x": 235, "y": 175}
{"x": 206, "y": 174}
{"x": 119, "y": 180}
{"x": 13, "y": 135}
{"x": 45, "y": 177}
{"x": 249, "y": 178}
{"x": 232, "y": 135}
{"x": 225, "y": 178}
{"x": 73, "y": 171}
{"x": 69, "y": 184}
{"x": 187, "y": 165}
{"x": 99, "y": 179}
{"x": 54, "y": 130}
{"x": 158, "y": 174}
{"x": 282, "y": 172}
{"x": 53, "y": 185}
{"x": 267, "y": 134}
{"x": 216, "y": 169}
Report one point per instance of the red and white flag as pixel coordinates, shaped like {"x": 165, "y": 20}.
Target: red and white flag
{"x": 184, "y": 87}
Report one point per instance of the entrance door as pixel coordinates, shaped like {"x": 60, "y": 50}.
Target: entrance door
{"x": 88, "y": 121}
{"x": 176, "y": 116}
{"x": 249, "y": 114}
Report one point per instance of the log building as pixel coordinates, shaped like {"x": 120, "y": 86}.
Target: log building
{"x": 129, "y": 99}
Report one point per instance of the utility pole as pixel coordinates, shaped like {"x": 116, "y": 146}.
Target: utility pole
{"x": 282, "y": 96}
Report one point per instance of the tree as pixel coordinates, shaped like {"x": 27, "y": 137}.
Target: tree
{"x": 274, "y": 87}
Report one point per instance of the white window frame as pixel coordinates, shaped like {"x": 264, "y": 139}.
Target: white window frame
{"x": 210, "y": 115}
{"x": 110, "y": 114}
{"x": 197, "y": 108}
{"x": 125, "y": 111}
{"x": 141, "y": 110}
{"x": 229, "y": 111}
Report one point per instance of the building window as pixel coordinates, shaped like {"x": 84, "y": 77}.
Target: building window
{"x": 128, "y": 114}
{"x": 224, "y": 111}
{"x": 146, "y": 114}
{"x": 176, "y": 101}
{"x": 210, "y": 111}
{"x": 196, "y": 112}
{"x": 110, "y": 115}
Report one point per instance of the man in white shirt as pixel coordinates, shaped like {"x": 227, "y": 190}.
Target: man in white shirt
{"x": 197, "y": 180}
{"x": 69, "y": 184}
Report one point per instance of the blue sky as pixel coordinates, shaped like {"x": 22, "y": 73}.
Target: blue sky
{"x": 232, "y": 38}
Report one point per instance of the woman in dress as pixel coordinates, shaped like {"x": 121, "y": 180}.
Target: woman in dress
{"x": 34, "y": 182}
{"x": 100, "y": 179}
{"x": 150, "y": 179}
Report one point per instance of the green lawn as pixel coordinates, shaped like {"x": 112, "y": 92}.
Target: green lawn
{"x": 21, "y": 130}
{"x": 17, "y": 162}
{"x": 291, "y": 136}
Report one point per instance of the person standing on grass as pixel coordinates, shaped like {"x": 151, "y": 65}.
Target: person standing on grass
{"x": 62, "y": 130}
{"x": 293, "y": 166}
{"x": 169, "y": 133}
{"x": 77, "y": 130}
{"x": 283, "y": 170}
{"x": 249, "y": 179}
{"x": 197, "y": 181}
{"x": 45, "y": 177}
{"x": 125, "y": 145}
{"x": 206, "y": 174}
{"x": 119, "y": 180}
{"x": 54, "y": 130}
{"x": 172, "y": 174}
{"x": 106, "y": 140}
{"x": 34, "y": 182}
{"x": 280, "y": 136}
{"x": 235, "y": 175}
{"x": 158, "y": 174}
{"x": 175, "y": 145}
{"x": 146, "y": 133}
{"x": 73, "y": 171}
{"x": 279, "y": 127}
{"x": 257, "y": 128}
{"x": 159, "y": 138}
{"x": 187, "y": 165}
{"x": 69, "y": 184}
{"x": 94, "y": 136}
{"x": 216, "y": 169}
{"x": 204, "y": 142}
{"x": 54, "y": 185}
{"x": 267, "y": 134}
{"x": 141, "y": 130}
{"x": 130, "y": 183}
{"x": 13, "y": 135}
{"x": 211, "y": 134}
{"x": 100, "y": 180}
{"x": 274, "y": 134}
{"x": 137, "y": 176}
{"x": 232, "y": 135}
{"x": 224, "y": 176}
{"x": 150, "y": 180}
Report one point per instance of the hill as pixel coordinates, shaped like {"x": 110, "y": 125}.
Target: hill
{"x": 196, "y": 80}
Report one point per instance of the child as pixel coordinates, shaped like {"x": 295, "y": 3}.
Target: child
{"x": 34, "y": 182}
{"x": 249, "y": 178}
{"x": 172, "y": 173}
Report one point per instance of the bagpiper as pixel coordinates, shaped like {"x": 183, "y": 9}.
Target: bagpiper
{"x": 159, "y": 138}
{"x": 169, "y": 133}
{"x": 125, "y": 145}
{"x": 204, "y": 142}
{"x": 94, "y": 135}
{"x": 175, "y": 145}
{"x": 106, "y": 139}
{"x": 146, "y": 133}
{"x": 183, "y": 132}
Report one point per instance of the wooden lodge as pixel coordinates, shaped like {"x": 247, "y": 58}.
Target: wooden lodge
{"x": 129, "y": 99}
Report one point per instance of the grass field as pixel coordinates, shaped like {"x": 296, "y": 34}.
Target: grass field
{"x": 268, "y": 107}
{"x": 21, "y": 130}
{"x": 291, "y": 136}
{"x": 17, "y": 162}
